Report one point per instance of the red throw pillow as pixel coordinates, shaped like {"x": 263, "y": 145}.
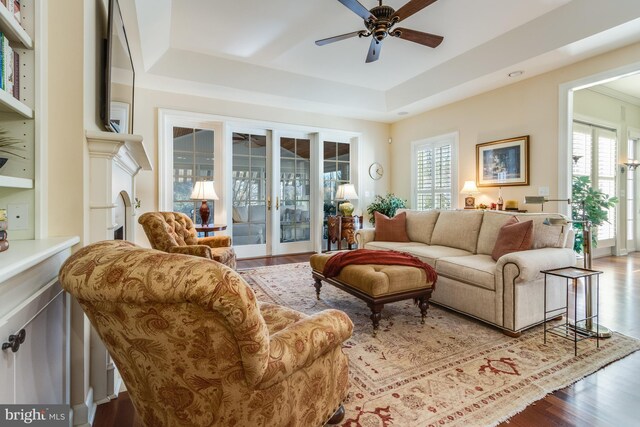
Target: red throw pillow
{"x": 514, "y": 236}
{"x": 391, "y": 229}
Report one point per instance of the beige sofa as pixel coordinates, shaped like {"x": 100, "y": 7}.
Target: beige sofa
{"x": 507, "y": 293}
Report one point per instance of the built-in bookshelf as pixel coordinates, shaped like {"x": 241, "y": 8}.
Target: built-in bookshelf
{"x": 17, "y": 114}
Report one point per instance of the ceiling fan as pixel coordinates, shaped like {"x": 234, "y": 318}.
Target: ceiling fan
{"x": 379, "y": 22}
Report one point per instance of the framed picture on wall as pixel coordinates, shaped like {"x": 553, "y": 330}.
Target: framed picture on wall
{"x": 503, "y": 163}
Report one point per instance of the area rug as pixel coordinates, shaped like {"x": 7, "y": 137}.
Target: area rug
{"x": 451, "y": 371}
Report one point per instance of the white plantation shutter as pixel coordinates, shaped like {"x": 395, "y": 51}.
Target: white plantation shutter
{"x": 434, "y": 173}
{"x": 596, "y": 151}
{"x": 607, "y": 155}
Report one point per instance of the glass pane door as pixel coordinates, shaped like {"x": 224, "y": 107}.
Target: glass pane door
{"x": 250, "y": 194}
{"x": 294, "y": 194}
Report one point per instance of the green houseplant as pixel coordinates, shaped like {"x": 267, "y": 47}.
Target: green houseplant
{"x": 590, "y": 203}
{"x": 8, "y": 147}
{"x": 387, "y": 205}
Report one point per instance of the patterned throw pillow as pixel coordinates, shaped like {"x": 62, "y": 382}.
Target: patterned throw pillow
{"x": 391, "y": 229}
{"x": 514, "y": 236}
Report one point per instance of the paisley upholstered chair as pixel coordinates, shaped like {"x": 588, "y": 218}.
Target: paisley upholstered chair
{"x": 174, "y": 232}
{"x": 195, "y": 347}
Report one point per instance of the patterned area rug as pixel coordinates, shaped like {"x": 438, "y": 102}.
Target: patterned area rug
{"x": 450, "y": 371}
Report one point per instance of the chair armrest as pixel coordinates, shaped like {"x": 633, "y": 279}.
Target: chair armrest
{"x": 302, "y": 342}
{"x": 531, "y": 262}
{"x": 215, "y": 241}
{"x": 195, "y": 250}
{"x": 365, "y": 236}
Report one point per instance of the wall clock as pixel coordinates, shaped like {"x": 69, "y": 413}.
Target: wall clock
{"x": 376, "y": 171}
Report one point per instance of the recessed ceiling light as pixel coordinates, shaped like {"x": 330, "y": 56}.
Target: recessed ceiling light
{"x": 517, "y": 73}
{"x": 403, "y": 113}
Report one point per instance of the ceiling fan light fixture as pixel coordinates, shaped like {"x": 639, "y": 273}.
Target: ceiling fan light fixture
{"x": 379, "y": 22}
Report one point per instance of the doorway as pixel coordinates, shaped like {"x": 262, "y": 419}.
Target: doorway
{"x": 610, "y": 116}
{"x": 272, "y": 186}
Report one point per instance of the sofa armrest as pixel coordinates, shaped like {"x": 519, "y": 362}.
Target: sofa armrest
{"x": 202, "y": 251}
{"x": 531, "y": 262}
{"x": 302, "y": 342}
{"x": 365, "y": 236}
{"x": 215, "y": 241}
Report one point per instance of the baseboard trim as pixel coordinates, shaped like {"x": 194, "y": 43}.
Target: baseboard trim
{"x": 83, "y": 414}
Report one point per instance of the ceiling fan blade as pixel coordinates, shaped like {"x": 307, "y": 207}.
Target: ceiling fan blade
{"x": 374, "y": 50}
{"x": 338, "y": 38}
{"x": 419, "y": 37}
{"x": 358, "y": 9}
{"x": 410, "y": 8}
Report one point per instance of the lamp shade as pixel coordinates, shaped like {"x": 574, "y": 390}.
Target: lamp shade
{"x": 203, "y": 190}
{"x": 346, "y": 192}
{"x": 469, "y": 188}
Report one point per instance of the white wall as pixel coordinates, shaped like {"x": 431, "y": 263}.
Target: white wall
{"x": 529, "y": 107}
{"x": 374, "y": 144}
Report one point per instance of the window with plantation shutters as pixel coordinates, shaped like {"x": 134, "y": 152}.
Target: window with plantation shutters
{"x": 434, "y": 173}
{"x": 595, "y": 153}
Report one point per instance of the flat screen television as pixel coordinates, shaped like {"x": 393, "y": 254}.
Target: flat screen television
{"x": 116, "y": 108}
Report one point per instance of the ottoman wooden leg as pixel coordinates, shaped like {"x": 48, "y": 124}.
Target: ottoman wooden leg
{"x": 423, "y": 303}
{"x": 318, "y": 285}
{"x": 376, "y": 315}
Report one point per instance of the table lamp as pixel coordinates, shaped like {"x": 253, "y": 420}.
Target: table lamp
{"x": 203, "y": 190}
{"x": 346, "y": 192}
{"x": 470, "y": 190}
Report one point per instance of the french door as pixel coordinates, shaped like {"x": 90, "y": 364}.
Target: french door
{"x": 272, "y": 182}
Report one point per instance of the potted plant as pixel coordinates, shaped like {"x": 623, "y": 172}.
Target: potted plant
{"x": 8, "y": 147}
{"x": 387, "y": 205}
{"x": 590, "y": 204}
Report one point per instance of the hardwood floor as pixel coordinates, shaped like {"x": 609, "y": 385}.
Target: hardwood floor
{"x": 609, "y": 397}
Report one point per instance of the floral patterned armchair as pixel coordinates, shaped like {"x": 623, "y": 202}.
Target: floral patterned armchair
{"x": 174, "y": 232}
{"x": 195, "y": 347}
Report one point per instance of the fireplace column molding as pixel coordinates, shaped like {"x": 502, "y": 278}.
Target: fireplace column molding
{"x": 115, "y": 160}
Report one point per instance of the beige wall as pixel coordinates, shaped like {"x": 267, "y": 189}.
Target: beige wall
{"x": 529, "y": 107}
{"x": 74, "y": 31}
{"x": 373, "y": 147}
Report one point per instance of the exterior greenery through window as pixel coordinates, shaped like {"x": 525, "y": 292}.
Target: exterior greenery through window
{"x": 434, "y": 174}
{"x": 192, "y": 160}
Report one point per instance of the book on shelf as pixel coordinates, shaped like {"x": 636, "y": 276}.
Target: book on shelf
{"x": 16, "y": 75}
{"x": 16, "y": 10}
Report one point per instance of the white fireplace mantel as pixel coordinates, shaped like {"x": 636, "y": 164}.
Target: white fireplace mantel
{"x": 115, "y": 160}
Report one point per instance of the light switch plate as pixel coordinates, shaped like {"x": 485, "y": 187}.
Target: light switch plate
{"x": 543, "y": 191}
{"x": 18, "y": 216}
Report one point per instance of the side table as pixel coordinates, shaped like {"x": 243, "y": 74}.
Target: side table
{"x": 567, "y": 330}
{"x": 342, "y": 227}
{"x": 210, "y": 228}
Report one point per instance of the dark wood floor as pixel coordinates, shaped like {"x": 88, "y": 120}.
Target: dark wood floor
{"x": 609, "y": 397}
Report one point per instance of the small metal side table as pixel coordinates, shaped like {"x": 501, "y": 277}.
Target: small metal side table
{"x": 567, "y": 330}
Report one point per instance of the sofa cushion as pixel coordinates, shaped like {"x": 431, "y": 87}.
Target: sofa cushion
{"x": 492, "y": 221}
{"x": 420, "y": 224}
{"x": 431, "y": 253}
{"x": 478, "y": 270}
{"x": 240, "y": 214}
{"x": 391, "y": 229}
{"x": 514, "y": 236}
{"x": 457, "y": 229}
{"x": 392, "y": 246}
{"x": 546, "y": 236}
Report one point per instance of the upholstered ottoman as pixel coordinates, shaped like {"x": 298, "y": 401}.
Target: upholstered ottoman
{"x": 376, "y": 284}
